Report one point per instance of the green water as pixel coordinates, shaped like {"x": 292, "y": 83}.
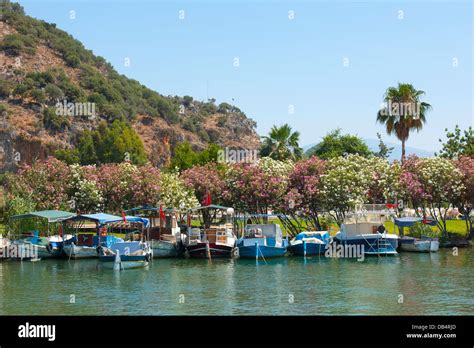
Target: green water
{"x": 437, "y": 283}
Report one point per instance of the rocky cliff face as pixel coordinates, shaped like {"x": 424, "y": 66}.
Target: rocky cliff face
{"x": 41, "y": 66}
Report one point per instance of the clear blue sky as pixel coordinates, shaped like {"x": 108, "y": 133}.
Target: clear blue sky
{"x": 287, "y": 62}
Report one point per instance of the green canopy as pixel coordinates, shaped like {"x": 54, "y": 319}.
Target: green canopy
{"x": 50, "y": 215}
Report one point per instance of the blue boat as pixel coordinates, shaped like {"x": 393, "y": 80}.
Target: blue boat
{"x": 134, "y": 252}
{"x": 262, "y": 240}
{"x": 310, "y": 243}
{"x": 364, "y": 232}
{"x": 84, "y": 245}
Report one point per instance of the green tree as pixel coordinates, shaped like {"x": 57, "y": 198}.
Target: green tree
{"x": 457, "y": 144}
{"x": 86, "y": 147}
{"x": 184, "y": 157}
{"x": 403, "y": 112}
{"x": 281, "y": 144}
{"x": 335, "y": 144}
{"x": 384, "y": 151}
{"x": 70, "y": 156}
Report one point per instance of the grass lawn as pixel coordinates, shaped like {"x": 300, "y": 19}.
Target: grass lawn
{"x": 453, "y": 226}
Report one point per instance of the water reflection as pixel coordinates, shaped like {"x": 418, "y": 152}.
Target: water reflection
{"x": 438, "y": 283}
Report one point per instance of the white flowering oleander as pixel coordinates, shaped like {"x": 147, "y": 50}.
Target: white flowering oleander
{"x": 174, "y": 193}
{"x": 275, "y": 167}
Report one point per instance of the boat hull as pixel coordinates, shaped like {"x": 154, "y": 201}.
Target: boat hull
{"x": 126, "y": 261}
{"x": 252, "y": 251}
{"x": 434, "y": 247}
{"x": 311, "y": 249}
{"x": 163, "y": 249}
{"x": 414, "y": 245}
{"x": 80, "y": 252}
{"x": 199, "y": 250}
{"x": 370, "y": 244}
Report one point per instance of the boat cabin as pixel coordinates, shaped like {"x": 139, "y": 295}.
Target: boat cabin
{"x": 366, "y": 223}
{"x": 216, "y": 227}
{"x": 166, "y": 229}
{"x": 270, "y": 234}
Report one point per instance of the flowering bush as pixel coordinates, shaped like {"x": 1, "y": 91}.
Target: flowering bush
{"x": 465, "y": 165}
{"x": 174, "y": 192}
{"x": 257, "y": 187}
{"x": 204, "y": 179}
{"x": 85, "y": 195}
{"x": 45, "y": 183}
{"x": 304, "y": 195}
{"x": 345, "y": 184}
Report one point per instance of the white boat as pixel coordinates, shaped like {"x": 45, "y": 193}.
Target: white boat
{"x": 80, "y": 251}
{"x": 414, "y": 244}
{"x": 364, "y": 229}
{"x": 422, "y": 245}
{"x": 36, "y": 244}
{"x": 125, "y": 255}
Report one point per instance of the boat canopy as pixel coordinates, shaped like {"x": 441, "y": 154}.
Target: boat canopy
{"x": 323, "y": 235}
{"x": 100, "y": 218}
{"x": 409, "y": 221}
{"x": 50, "y": 215}
{"x": 103, "y": 218}
{"x": 149, "y": 208}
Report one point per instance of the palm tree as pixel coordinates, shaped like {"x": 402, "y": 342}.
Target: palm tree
{"x": 282, "y": 143}
{"x": 404, "y": 112}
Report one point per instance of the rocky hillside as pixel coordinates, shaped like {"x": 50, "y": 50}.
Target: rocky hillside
{"x": 42, "y": 68}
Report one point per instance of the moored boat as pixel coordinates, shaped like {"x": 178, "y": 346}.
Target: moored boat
{"x": 33, "y": 244}
{"x": 125, "y": 255}
{"x": 310, "y": 243}
{"x": 134, "y": 251}
{"x": 365, "y": 230}
{"x": 424, "y": 244}
{"x": 262, "y": 240}
{"x": 92, "y": 234}
{"x": 215, "y": 238}
{"x": 164, "y": 234}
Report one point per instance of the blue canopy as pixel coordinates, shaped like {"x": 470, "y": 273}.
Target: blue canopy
{"x": 409, "y": 221}
{"x": 322, "y": 235}
{"x": 100, "y": 218}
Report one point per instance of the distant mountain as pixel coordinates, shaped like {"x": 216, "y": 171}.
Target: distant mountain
{"x": 373, "y": 145}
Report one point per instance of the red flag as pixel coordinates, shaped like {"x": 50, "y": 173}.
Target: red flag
{"x": 162, "y": 213}
{"x": 208, "y": 199}
{"x": 61, "y": 230}
{"x": 123, "y": 215}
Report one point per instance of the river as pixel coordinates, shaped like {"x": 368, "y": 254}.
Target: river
{"x": 407, "y": 284}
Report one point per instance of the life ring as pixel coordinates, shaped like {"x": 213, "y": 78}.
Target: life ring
{"x": 49, "y": 248}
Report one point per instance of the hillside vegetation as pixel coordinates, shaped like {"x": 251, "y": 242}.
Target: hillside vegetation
{"x": 43, "y": 66}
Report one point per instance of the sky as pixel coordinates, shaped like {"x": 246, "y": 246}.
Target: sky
{"x": 316, "y": 65}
